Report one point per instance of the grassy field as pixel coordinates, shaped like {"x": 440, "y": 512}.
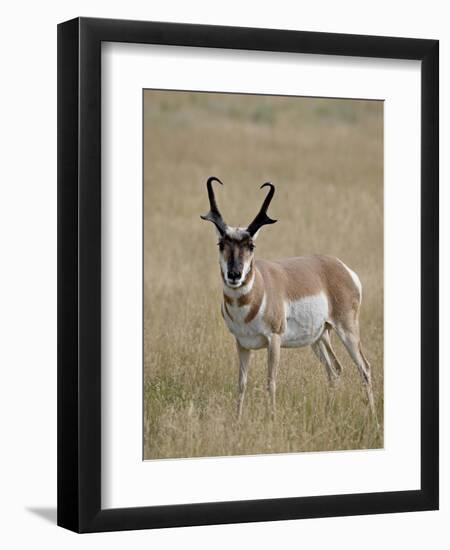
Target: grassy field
{"x": 325, "y": 158}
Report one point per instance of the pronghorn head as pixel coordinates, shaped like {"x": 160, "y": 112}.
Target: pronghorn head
{"x": 236, "y": 244}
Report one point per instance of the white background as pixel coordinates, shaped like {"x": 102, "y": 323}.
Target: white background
{"x": 127, "y": 480}
{"x": 28, "y": 274}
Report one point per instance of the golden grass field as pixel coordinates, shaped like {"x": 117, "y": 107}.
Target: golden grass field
{"x": 325, "y": 158}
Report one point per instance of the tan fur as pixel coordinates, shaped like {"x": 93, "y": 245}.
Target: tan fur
{"x": 245, "y": 299}
{"x": 249, "y": 274}
{"x": 255, "y": 297}
{"x": 294, "y": 278}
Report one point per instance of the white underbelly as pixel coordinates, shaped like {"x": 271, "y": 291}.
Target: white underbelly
{"x": 252, "y": 341}
{"x": 305, "y": 320}
{"x": 304, "y": 323}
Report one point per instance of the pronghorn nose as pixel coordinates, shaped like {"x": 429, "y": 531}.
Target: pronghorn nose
{"x": 233, "y": 275}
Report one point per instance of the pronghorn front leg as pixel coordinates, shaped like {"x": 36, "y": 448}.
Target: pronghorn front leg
{"x": 273, "y": 356}
{"x": 244, "y": 360}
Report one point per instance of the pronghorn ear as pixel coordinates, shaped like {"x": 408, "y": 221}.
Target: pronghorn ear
{"x": 255, "y": 236}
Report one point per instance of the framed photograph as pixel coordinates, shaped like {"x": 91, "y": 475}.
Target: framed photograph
{"x": 247, "y": 275}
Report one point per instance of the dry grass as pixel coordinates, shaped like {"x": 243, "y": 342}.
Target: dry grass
{"x": 326, "y": 159}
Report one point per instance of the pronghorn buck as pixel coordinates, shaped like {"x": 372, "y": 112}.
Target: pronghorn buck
{"x": 293, "y": 302}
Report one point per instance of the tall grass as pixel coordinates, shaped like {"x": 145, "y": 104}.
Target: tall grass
{"x": 326, "y": 159}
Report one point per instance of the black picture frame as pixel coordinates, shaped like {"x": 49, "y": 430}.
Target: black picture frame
{"x": 79, "y": 274}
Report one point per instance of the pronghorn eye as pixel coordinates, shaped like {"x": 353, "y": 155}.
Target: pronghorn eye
{"x": 221, "y": 246}
{"x": 251, "y": 247}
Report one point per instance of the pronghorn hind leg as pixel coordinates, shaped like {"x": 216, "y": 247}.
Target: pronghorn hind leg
{"x": 326, "y": 340}
{"x": 366, "y": 362}
{"x": 349, "y": 334}
{"x": 244, "y": 360}
{"x": 273, "y": 359}
{"x": 321, "y": 353}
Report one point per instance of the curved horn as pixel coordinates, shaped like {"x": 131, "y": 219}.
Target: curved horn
{"x": 262, "y": 218}
{"x": 214, "y": 215}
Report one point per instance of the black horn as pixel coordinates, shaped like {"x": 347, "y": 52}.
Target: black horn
{"x": 214, "y": 215}
{"x": 262, "y": 218}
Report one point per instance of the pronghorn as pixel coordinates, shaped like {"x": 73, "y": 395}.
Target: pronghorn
{"x": 293, "y": 302}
